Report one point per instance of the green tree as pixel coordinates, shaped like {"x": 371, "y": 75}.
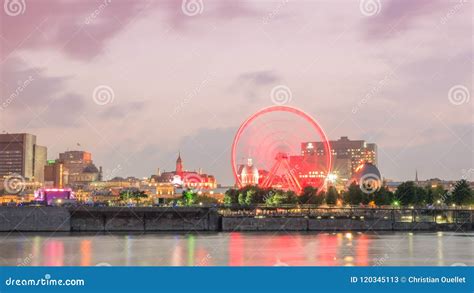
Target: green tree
{"x": 309, "y": 195}
{"x": 383, "y": 196}
{"x": 331, "y": 196}
{"x": 408, "y": 193}
{"x": 291, "y": 197}
{"x": 353, "y": 195}
{"x": 462, "y": 193}
{"x": 231, "y": 197}
{"x": 189, "y": 197}
{"x": 250, "y": 197}
{"x": 439, "y": 194}
{"x": 242, "y": 197}
{"x": 132, "y": 194}
{"x": 279, "y": 197}
{"x": 429, "y": 195}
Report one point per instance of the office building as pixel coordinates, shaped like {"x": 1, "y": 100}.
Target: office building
{"x": 20, "y": 155}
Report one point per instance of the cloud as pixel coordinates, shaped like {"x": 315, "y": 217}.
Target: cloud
{"x": 76, "y": 28}
{"x": 121, "y": 111}
{"x": 63, "y": 111}
{"x": 29, "y": 95}
{"x": 27, "y": 86}
{"x": 398, "y": 16}
{"x": 259, "y": 78}
{"x": 212, "y": 11}
{"x": 251, "y": 83}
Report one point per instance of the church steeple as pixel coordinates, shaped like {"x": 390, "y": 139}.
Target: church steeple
{"x": 179, "y": 164}
{"x": 416, "y": 175}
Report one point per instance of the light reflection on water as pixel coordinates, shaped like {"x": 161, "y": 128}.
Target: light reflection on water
{"x": 238, "y": 249}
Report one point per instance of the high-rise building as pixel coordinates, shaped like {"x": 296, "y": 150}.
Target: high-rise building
{"x": 347, "y": 154}
{"x": 79, "y": 167}
{"x": 55, "y": 176}
{"x": 19, "y": 154}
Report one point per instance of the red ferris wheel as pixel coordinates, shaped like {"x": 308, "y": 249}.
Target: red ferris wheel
{"x": 281, "y": 147}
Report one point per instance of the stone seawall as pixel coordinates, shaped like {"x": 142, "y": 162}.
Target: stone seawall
{"x": 34, "y": 219}
{"x": 144, "y": 219}
{"x": 112, "y": 219}
{"x": 309, "y": 224}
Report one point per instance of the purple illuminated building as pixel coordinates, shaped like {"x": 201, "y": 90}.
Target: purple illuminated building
{"x": 48, "y": 195}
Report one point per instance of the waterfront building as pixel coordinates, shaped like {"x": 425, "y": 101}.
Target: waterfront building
{"x": 248, "y": 174}
{"x": 182, "y": 178}
{"x": 368, "y": 177}
{"x": 116, "y": 182}
{"x": 347, "y": 155}
{"x": 79, "y": 167}
{"x": 49, "y": 195}
{"x": 309, "y": 167}
{"x": 20, "y": 155}
{"x": 55, "y": 175}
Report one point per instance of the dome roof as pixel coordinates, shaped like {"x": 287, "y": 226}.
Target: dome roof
{"x": 249, "y": 171}
{"x": 90, "y": 169}
{"x": 366, "y": 170}
{"x": 368, "y": 177}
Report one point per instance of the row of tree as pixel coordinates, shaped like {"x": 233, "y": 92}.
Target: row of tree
{"x": 251, "y": 195}
{"x": 407, "y": 194}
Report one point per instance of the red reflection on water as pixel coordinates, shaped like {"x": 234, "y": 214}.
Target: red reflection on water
{"x": 53, "y": 253}
{"x": 362, "y": 251}
{"x": 86, "y": 252}
{"x": 177, "y": 255}
{"x": 203, "y": 258}
{"x": 298, "y": 250}
{"x": 328, "y": 246}
{"x": 236, "y": 250}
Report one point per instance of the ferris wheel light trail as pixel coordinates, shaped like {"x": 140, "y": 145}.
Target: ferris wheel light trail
{"x": 281, "y": 160}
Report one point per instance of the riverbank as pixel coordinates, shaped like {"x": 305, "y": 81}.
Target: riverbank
{"x": 110, "y": 219}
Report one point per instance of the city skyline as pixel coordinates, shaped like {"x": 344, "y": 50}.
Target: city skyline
{"x": 342, "y": 146}
{"x": 138, "y": 81}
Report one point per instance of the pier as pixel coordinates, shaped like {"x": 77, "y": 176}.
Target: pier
{"x": 228, "y": 219}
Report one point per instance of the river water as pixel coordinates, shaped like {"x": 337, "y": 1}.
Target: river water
{"x": 238, "y": 249}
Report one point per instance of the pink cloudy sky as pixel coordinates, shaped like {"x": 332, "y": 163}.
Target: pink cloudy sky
{"x": 187, "y": 82}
